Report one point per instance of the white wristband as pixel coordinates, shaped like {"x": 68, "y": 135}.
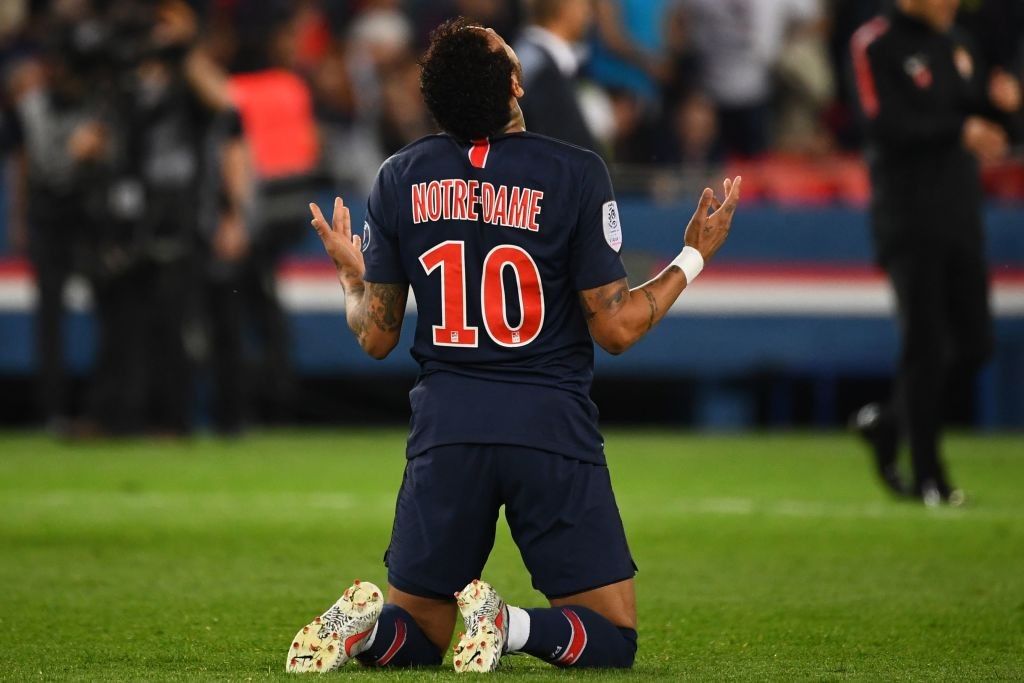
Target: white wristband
{"x": 690, "y": 262}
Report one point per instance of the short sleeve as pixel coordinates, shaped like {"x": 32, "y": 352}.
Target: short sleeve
{"x": 597, "y": 238}
{"x": 380, "y": 233}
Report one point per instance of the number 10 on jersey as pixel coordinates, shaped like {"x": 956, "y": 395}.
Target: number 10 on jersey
{"x": 455, "y": 329}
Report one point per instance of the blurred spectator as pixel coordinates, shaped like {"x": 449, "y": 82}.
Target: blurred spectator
{"x": 740, "y": 43}
{"x": 550, "y": 65}
{"x": 350, "y": 149}
{"x": 694, "y": 132}
{"x": 404, "y": 116}
{"x": 276, "y": 108}
{"x": 628, "y": 46}
{"x": 56, "y": 134}
{"x": 376, "y": 39}
{"x": 165, "y": 97}
{"x": 682, "y": 61}
{"x": 806, "y": 87}
{"x": 504, "y": 16}
{"x": 635, "y": 135}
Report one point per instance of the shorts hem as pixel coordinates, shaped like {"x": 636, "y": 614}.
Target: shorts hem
{"x": 415, "y": 589}
{"x": 576, "y": 591}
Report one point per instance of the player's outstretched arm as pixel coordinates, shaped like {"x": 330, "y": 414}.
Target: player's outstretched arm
{"x": 619, "y": 317}
{"x": 374, "y": 311}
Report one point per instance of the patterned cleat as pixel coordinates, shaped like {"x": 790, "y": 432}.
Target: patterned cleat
{"x": 339, "y": 634}
{"x": 486, "y": 618}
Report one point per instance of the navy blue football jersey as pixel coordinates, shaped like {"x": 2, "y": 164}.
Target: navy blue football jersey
{"x": 496, "y": 238}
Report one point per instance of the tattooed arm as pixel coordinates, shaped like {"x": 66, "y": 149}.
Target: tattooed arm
{"x": 374, "y": 311}
{"x": 619, "y": 317}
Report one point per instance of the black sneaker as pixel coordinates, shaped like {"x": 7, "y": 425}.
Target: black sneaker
{"x": 882, "y": 437}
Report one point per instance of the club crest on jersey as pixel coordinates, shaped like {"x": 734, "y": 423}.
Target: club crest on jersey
{"x": 917, "y": 68}
{"x": 612, "y": 226}
{"x": 366, "y": 235}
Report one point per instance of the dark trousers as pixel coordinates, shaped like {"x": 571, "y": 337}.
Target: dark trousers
{"x": 945, "y": 328}
{"x": 52, "y": 251}
{"x": 223, "y": 302}
{"x": 142, "y": 379}
{"x": 267, "y": 317}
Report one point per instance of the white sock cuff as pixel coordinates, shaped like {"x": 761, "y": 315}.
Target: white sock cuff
{"x": 518, "y": 628}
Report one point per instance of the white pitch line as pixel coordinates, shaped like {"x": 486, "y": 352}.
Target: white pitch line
{"x": 810, "y": 509}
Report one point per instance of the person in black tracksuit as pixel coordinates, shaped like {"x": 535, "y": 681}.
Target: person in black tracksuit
{"x": 932, "y": 111}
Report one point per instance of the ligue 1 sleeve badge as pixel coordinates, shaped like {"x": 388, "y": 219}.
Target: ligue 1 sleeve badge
{"x": 612, "y": 226}
{"x": 366, "y": 235}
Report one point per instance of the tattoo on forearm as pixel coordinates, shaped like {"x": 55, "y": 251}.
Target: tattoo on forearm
{"x": 652, "y": 302}
{"x": 588, "y": 312}
{"x": 386, "y": 305}
{"x": 358, "y": 326}
{"x": 375, "y": 305}
{"x": 605, "y": 300}
{"x": 616, "y": 297}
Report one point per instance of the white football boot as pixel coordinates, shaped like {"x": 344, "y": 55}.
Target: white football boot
{"x": 486, "y": 618}
{"x": 340, "y": 633}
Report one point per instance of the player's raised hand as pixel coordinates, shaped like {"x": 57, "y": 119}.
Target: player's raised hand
{"x": 706, "y": 232}
{"x": 344, "y": 248}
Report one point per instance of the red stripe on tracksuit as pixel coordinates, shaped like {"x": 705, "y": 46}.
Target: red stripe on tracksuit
{"x": 396, "y": 644}
{"x": 859, "y": 44}
{"x": 479, "y": 151}
{"x": 577, "y": 640}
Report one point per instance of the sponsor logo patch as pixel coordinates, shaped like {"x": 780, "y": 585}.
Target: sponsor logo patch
{"x": 611, "y": 224}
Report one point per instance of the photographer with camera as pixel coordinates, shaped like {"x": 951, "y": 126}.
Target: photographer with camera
{"x": 164, "y": 97}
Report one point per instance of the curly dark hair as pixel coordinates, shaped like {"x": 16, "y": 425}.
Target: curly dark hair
{"x": 465, "y": 82}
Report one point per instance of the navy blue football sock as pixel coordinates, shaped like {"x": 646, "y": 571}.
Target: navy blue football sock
{"x": 578, "y": 636}
{"x": 399, "y": 642}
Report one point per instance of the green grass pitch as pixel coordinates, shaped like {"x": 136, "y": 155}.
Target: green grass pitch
{"x": 761, "y": 557}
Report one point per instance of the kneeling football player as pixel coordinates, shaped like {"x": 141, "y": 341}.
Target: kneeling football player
{"x": 510, "y": 242}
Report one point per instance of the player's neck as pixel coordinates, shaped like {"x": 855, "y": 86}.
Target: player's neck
{"x": 516, "y": 124}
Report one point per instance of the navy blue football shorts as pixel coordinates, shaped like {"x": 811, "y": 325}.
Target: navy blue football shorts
{"x": 561, "y": 512}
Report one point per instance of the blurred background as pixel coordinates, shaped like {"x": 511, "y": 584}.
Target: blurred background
{"x": 158, "y": 275}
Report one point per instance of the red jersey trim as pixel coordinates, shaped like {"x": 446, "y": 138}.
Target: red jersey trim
{"x": 479, "y": 152}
